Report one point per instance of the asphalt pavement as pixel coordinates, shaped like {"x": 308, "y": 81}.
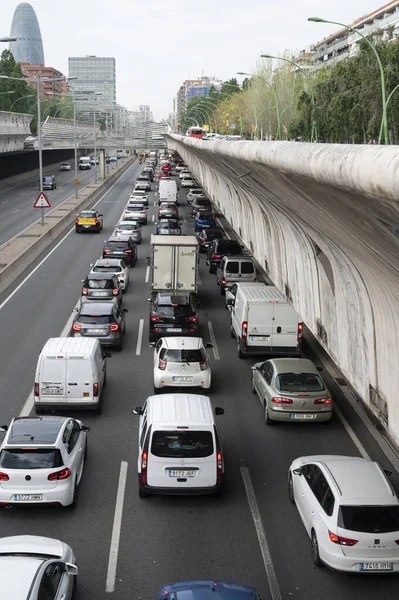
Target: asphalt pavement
{"x": 126, "y": 547}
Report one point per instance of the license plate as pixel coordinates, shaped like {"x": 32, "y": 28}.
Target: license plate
{"x": 86, "y": 394}
{"x": 259, "y": 338}
{"x": 173, "y": 330}
{"x": 28, "y": 497}
{"x": 303, "y": 417}
{"x": 86, "y": 226}
{"x": 52, "y": 391}
{"x": 181, "y": 473}
{"x": 99, "y": 294}
{"x": 376, "y": 566}
{"x": 182, "y": 378}
{"x": 95, "y": 331}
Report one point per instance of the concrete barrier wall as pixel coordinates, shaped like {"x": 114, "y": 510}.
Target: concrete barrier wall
{"x": 323, "y": 221}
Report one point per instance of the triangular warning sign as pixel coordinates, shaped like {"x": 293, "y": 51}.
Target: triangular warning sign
{"x": 42, "y": 201}
{"x": 77, "y": 182}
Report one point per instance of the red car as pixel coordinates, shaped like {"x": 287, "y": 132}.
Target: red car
{"x": 164, "y": 175}
{"x": 166, "y": 167}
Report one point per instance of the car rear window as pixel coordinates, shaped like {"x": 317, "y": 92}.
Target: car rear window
{"x": 105, "y": 269}
{"x": 95, "y": 319}
{"x": 206, "y": 216}
{"x": 174, "y": 311}
{"x": 100, "y": 284}
{"x": 232, "y": 266}
{"x": 127, "y": 226}
{"x": 30, "y": 458}
{"x": 182, "y": 444}
{"x": 181, "y": 356}
{"x": 117, "y": 244}
{"x": 87, "y": 215}
{"x": 203, "y": 202}
{"x": 228, "y": 246}
{"x": 247, "y": 267}
{"x": 369, "y": 519}
{"x": 299, "y": 382}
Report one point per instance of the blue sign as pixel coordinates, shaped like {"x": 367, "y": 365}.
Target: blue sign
{"x": 233, "y": 125}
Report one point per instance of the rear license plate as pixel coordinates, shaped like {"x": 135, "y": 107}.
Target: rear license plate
{"x": 99, "y": 294}
{"x": 303, "y": 417}
{"x": 86, "y": 226}
{"x": 86, "y": 394}
{"x": 378, "y": 566}
{"x": 101, "y": 331}
{"x": 259, "y": 338}
{"x": 28, "y": 497}
{"x": 173, "y": 330}
{"x": 183, "y": 379}
{"x": 52, "y": 391}
{"x": 181, "y": 473}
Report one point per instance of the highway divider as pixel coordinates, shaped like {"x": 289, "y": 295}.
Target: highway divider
{"x": 24, "y": 248}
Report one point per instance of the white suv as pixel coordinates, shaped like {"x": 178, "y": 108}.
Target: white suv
{"x": 350, "y": 511}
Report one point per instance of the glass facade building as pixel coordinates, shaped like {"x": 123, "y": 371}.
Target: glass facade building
{"x": 25, "y": 26}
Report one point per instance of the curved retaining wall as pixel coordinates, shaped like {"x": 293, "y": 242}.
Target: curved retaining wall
{"x": 323, "y": 220}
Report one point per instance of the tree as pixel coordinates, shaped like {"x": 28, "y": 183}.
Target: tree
{"x": 20, "y": 89}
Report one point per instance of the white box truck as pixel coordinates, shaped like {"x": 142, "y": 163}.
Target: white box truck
{"x": 167, "y": 191}
{"x": 174, "y": 263}
{"x": 264, "y": 323}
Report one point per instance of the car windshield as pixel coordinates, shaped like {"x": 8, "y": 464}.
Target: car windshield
{"x": 117, "y": 244}
{"x": 105, "y": 269}
{"x": 95, "y": 319}
{"x": 100, "y": 284}
{"x": 182, "y": 444}
{"x": 30, "y": 458}
{"x": 232, "y": 267}
{"x": 369, "y": 519}
{"x": 299, "y": 382}
{"x": 181, "y": 355}
{"x": 247, "y": 267}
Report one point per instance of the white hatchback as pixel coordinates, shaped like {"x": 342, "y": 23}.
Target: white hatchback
{"x": 350, "y": 511}
{"x": 181, "y": 362}
{"x": 42, "y": 460}
{"x": 113, "y": 265}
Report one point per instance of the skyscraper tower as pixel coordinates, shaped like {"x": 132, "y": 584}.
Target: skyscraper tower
{"x": 29, "y": 46}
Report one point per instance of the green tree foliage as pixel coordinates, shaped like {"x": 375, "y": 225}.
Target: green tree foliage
{"x": 10, "y": 68}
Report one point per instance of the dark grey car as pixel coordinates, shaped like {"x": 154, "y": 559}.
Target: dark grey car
{"x": 103, "y": 287}
{"x": 103, "y": 320}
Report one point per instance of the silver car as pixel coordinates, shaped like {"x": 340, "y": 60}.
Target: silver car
{"x": 33, "y": 567}
{"x": 130, "y": 228}
{"x": 139, "y": 196}
{"x": 117, "y": 266}
{"x": 291, "y": 389}
{"x": 105, "y": 321}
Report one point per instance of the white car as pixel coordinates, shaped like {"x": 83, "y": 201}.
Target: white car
{"x": 195, "y": 193}
{"x": 180, "y": 168}
{"x": 42, "y": 460}
{"x": 136, "y": 211}
{"x": 349, "y": 510}
{"x": 139, "y": 196}
{"x": 65, "y": 167}
{"x": 184, "y": 173}
{"x": 33, "y": 567}
{"x": 131, "y": 228}
{"x": 187, "y": 182}
{"x": 181, "y": 362}
{"x": 113, "y": 265}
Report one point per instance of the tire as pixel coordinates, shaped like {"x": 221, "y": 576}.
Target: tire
{"x": 75, "y": 496}
{"x": 157, "y": 390}
{"x": 99, "y": 408}
{"x": 315, "y": 550}
{"x": 232, "y": 332}
{"x": 39, "y": 411}
{"x": 77, "y": 230}
{"x": 86, "y": 450}
{"x": 239, "y": 351}
{"x": 74, "y": 589}
{"x": 222, "y": 290}
{"x": 268, "y": 420}
{"x": 142, "y": 492}
{"x": 253, "y": 390}
{"x": 291, "y": 496}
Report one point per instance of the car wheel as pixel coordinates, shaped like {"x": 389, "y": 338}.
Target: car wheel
{"x": 157, "y": 390}
{"x": 222, "y": 291}
{"x": 239, "y": 351}
{"x": 232, "y": 332}
{"x": 253, "y": 389}
{"x": 77, "y": 230}
{"x": 75, "y": 496}
{"x": 291, "y": 496}
{"x": 39, "y": 411}
{"x": 268, "y": 420}
{"x": 85, "y": 454}
{"x": 142, "y": 492}
{"x": 211, "y": 269}
{"x": 315, "y": 550}
{"x": 99, "y": 408}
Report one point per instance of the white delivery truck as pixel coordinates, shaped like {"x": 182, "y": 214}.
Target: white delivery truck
{"x": 264, "y": 323}
{"x": 84, "y": 163}
{"x": 174, "y": 263}
{"x": 167, "y": 191}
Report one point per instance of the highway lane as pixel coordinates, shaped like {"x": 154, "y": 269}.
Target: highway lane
{"x": 166, "y": 539}
{"x": 16, "y": 204}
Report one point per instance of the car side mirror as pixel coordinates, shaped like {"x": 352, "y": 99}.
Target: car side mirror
{"x": 125, "y": 310}
{"x": 101, "y": 215}
{"x": 92, "y": 264}
{"x": 208, "y": 345}
{"x": 107, "y": 355}
{"x": 75, "y": 310}
{"x": 219, "y": 410}
{"x": 230, "y": 301}
{"x": 149, "y": 299}
{"x": 84, "y": 428}
{"x": 298, "y": 471}
{"x": 138, "y": 410}
{"x": 151, "y": 344}
{"x": 3, "y": 428}
{"x": 387, "y": 472}
{"x": 71, "y": 569}
{"x": 319, "y": 368}
{"x": 105, "y": 241}
{"x": 148, "y": 260}
{"x": 255, "y": 368}
{"x": 82, "y": 281}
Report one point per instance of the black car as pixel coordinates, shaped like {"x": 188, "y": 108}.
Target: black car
{"x": 219, "y": 248}
{"x": 49, "y": 182}
{"x": 149, "y": 172}
{"x": 200, "y": 205}
{"x": 117, "y": 247}
{"x": 172, "y": 315}
{"x": 102, "y": 320}
{"x": 101, "y": 287}
{"x": 206, "y": 236}
{"x": 168, "y": 227}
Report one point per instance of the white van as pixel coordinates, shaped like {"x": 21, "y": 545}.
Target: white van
{"x": 263, "y": 322}
{"x": 70, "y": 374}
{"x": 179, "y": 446}
{"x": 84, "y": 163}
{"x": 167, "y": 191}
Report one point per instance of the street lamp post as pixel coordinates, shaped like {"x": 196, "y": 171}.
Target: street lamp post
{"x": 275, "y": 97}
{"x": 384, "y": 120}
{"x": 20, "y": 98}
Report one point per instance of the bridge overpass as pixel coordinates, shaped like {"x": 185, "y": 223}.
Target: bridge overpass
{"x": 323, "y": 221}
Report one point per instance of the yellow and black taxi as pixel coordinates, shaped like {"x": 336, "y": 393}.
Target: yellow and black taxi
{"x": 89, "y": 220}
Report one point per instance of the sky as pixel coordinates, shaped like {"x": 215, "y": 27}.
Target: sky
{"x": 158, "y": 44}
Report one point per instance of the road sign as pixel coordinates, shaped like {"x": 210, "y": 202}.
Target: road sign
{"x": 233, "y": 125}
{"x": 77, "y": 182}
{"x": 42, "y": 201}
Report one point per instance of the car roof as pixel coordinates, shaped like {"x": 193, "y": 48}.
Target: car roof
{"x": 34, "y": 430}
{"x": 94, "y": 308}
{"x": 210, "y": 590}
{"x": 31, "y": 544}
{"x": 100, "y": 276}
{"x": 17, "y": 574}
{"x": 173, "y": 409}
{"x": 104, "y": 262}
{"x": 359, "y": 481}
{"x": 180, "y": 342}
{"x": 294, "y": 365}
{"x": 118, "y": 238}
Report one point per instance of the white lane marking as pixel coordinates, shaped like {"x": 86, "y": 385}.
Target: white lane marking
{"x": 147, "y": 274}
{"x": 139, "y": 337}
{"x": 116, "y": 529}
{"x": 23, "y": 193}
{"x": 15, "y": 211}
{"x": 4, "y": 201}
{"x": 351, "y": 433}
{"x": 155, "y": 202}
{"x": 199, "y": 280}
{"x": 55, "y": 248}
{"x": 152, "y": 218}
{"x": 260, "y": 532}
{"x": 213, "y": 341}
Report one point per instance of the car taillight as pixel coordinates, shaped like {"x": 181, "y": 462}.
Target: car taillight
{"x": 336, "y": 539}
{"x": 323, "y": 401}
{"x": 36, "y": 388}
{"x": 3, "y": 476}
{"x": 224, "y": 281}
{"x": 254, "y": 278}
{"x": 96, "y": 221}
{"x": 95, "y": 390}
{"x": 155, "y": 318}
{"x": 203, "y": 365}
{"x": 279, "y": 400}
{"x": 192, "y": 319}
{"x": 115, "y": 292}
{"x": 143, "y": 474}
{"x": 162, "y": 365}
{"x": 300, "y": 331}
{"x": 76, "y": 221}
{"x": 63, "y": 474}
{"x": 136, "y": 230}
{"x": 216, "y": 256}
{"x": 119, "y": 230}
{"x": 84, "y": 292}
{"x": 128, "y": 251}
{"x": 106, "y": 250}
{"x": 76, "y": 327}
{"x": 244, "y": 330}
{"x": 219, "y": 467}
{"x": 114, "y": 327}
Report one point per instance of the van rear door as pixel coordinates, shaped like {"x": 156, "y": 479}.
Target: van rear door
{"x": 52, "y": 380}
{"x": 285, "y": 327}
{"x": 79, "y": 379}
{"x": 260, "y": 324}
{"x": 183, "y": 458}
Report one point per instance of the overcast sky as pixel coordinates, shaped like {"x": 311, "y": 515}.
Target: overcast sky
{"x": 158, "y": 44}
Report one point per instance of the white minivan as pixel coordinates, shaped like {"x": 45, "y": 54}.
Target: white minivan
{"x": 179, "y": 446}
{"x": 70, "y": 374}
{"x": 167, "y": 191}
{"x": 263, "y": 322}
